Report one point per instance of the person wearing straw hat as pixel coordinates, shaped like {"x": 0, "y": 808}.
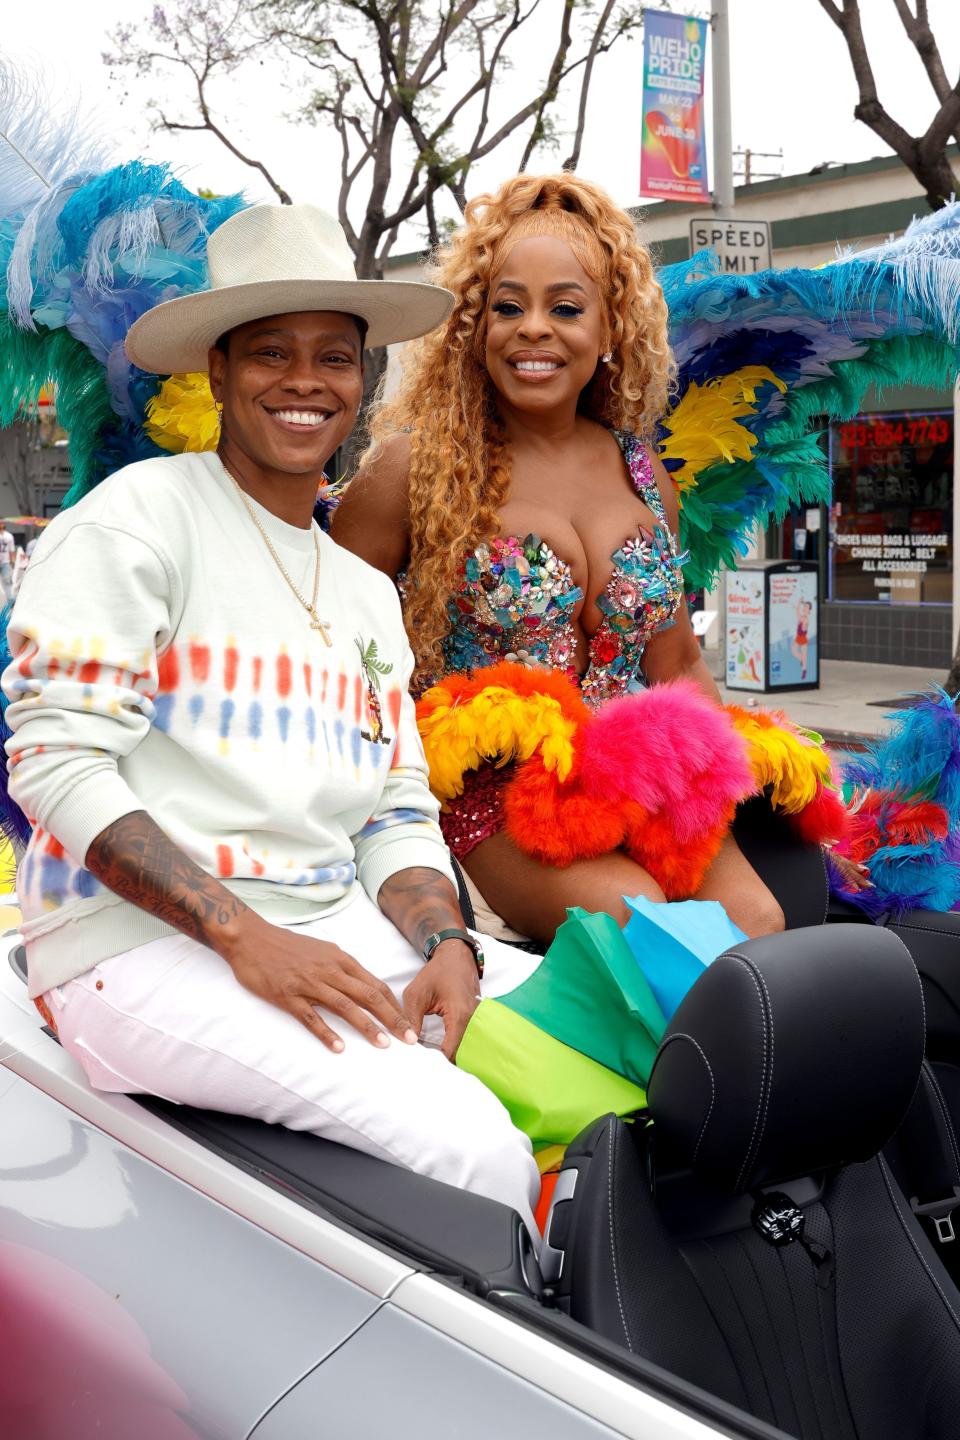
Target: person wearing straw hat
{"x": 236, "y": 894}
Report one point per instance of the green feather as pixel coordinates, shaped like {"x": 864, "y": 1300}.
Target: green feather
{"x": 29, "y": 360}
{"x": 904, "y": 360}
{"x": 789, "y": 467}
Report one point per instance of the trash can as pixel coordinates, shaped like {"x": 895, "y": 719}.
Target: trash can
{"x": 771, "y": 626}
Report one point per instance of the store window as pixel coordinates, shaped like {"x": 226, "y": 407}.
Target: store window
{"x": 891, "y": 521}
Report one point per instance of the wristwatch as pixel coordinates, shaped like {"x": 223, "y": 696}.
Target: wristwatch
{"x": 463, "y": 935}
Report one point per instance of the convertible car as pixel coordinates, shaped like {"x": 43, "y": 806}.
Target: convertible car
{"x": 759, "y": 1253}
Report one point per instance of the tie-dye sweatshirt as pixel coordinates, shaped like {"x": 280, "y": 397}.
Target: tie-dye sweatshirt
{"x": 161, "y": 663}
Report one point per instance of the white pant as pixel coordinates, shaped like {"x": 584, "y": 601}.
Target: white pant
{"x": 169, "y": 1018}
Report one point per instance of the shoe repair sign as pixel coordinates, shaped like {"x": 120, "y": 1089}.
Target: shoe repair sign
{"x": 673, "y": 150}
{"x": 741, "y": 246}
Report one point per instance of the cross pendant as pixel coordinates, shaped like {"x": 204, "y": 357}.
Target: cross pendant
{"x": 317, "y": 624}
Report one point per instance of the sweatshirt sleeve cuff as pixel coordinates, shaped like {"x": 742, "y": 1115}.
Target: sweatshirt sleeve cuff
{"x": 92, "y": 804}
{"x": 393, "y": 856}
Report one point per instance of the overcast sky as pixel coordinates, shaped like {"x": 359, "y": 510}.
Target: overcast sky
{"x": 791, "y": 81}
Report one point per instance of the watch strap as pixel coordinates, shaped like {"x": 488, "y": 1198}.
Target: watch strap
{"x": 456, "y": 934}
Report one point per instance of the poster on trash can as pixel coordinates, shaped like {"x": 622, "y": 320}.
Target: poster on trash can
{"x": 793, "y": 629}
{"x": 745, "y": 638}
{"x": 673, "y": 148}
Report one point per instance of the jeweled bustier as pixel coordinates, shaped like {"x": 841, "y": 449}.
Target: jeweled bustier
{"x": 517, "y": 600}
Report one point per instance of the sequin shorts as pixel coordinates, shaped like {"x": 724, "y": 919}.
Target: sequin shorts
{"x": 478, "y": 812}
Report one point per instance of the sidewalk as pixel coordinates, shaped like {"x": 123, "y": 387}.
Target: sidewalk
{"x": 840, "y": 709}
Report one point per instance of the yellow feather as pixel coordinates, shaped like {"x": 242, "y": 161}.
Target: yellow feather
{"x": 784, "y": 759}
{"x": 498, "y": 725}
{"x": 704, "y": 427}
{"x": 182, "y": 415}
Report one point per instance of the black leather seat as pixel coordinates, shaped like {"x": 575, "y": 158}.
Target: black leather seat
{"x": 926, "y": 1152}
{"x": 792, "y": 870}
{"x": 749, "y": 1236}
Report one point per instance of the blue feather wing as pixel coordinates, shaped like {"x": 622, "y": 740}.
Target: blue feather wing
{"x": 918, "y": 760}
{"x": 85, "y": 250}
{"x": 885, "y": 317}
{"x": 105, "y": 248}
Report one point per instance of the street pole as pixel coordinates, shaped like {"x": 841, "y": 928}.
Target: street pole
{"x": 722, "y": 121}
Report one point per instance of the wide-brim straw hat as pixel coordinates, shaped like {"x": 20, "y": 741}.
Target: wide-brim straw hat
{"x": 277, "y": 260}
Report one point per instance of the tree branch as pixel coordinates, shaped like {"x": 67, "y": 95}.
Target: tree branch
{"x": 452, "y": 22}
{"x": 549, "y": 92}
{"x": 926, "y": 157}
{"x": 922, "y": 38}
{"x": 409, "y": 209}
{"x": 944, "y": 124}
{"x": 210, "y": 124}
{"x": 573, "y": 159}
{"x": 924, "y": 42}
{"x": 868, "y": 108}
{"x": 491, "y": 70}
{"x": 386, "y": 65}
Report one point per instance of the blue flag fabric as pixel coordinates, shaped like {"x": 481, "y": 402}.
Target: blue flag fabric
{"x": 674, "y": 943}
{"x": 588, "y": 993}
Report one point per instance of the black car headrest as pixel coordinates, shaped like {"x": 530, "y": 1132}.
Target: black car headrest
{"x": 790, "y": 1055}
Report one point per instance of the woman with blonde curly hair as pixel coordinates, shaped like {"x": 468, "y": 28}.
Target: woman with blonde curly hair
{"x": 512, "y": 487}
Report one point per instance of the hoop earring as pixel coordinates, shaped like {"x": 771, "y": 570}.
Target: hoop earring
{"x": 607, "y": 357}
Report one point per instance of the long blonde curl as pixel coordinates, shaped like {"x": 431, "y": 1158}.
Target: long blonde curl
{"x": 459, "y": 464}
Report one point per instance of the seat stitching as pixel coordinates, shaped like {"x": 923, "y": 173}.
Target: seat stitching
{"x": 923, "y": 998}
{"x": 681, "y": 1035}
{"x": 772, "y": 1329}
{"x": 788, "y": 1281}
{"x": 916, "y": 1248}
{"x": 843, "y": 1412}
{"x": 811, "y": 1371}
{"x": 839, "y": 1285}
{"x": 766, "y": 1078}
{"x": 926, "y": 929}
{"x": 613, "y": 1243}
{"x": 709, "y": 1248}
{"x": 947, "y": 1119}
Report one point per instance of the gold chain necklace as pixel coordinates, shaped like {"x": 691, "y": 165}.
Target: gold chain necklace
{"x": 309, "y": 605}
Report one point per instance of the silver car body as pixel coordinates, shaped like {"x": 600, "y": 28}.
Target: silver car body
{"x": 153, "y": 1290}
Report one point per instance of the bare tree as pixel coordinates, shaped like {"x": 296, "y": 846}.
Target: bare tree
{"x": 925, "y": 155}
{"x": 409, "y": 87}
{"x": 208, "y": 42}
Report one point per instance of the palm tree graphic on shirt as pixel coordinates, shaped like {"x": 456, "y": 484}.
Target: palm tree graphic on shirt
{"x": 373, "y": 667}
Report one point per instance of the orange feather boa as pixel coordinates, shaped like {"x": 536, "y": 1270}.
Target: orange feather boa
{"x": 657, "y": 774}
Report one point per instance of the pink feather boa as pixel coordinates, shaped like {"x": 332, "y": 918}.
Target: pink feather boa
{"x": 667, "y": 749}
{"x": 658, "y": 773}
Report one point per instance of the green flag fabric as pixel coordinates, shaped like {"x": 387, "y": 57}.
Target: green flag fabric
{"x": 551, "y": 1091}
{"x": 590, "y": 993}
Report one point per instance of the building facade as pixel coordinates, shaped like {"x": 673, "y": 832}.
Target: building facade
{"x": 34, "y": 470}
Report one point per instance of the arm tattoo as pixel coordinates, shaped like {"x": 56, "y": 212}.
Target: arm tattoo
{"x": 420, "y": 902}
{"x": 137, "y": 861}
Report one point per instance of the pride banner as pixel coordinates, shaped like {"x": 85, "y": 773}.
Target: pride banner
{"x": 673, "y": 154}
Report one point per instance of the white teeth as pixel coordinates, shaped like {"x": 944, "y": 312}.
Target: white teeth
{"x": 310, "y": 418}
{"x": 537, "y": 365}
